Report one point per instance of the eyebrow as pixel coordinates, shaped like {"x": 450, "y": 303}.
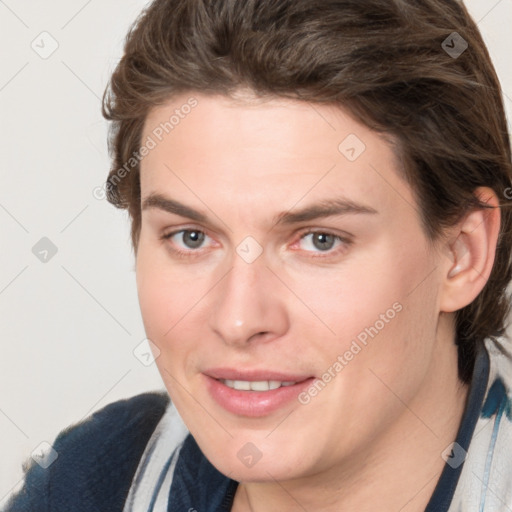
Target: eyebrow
{"x": 171, "y": 206}
{"x": 325, "y": 208}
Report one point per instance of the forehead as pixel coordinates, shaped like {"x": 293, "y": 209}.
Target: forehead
{"x": 263, "y": 154}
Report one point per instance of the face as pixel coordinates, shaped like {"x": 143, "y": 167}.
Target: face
{"x": 284, "y": 276}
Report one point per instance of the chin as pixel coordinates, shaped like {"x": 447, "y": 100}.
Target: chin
{"x": 252, "y": 464}
{"x": 261, "y": 471}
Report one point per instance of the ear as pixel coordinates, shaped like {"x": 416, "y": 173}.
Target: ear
{"x": 471, "y": 249}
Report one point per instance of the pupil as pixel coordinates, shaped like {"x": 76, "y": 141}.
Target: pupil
{"x": 323, "y": 241}
{"x": 193, "y": 239}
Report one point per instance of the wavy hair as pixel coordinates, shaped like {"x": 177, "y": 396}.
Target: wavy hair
{"x": 416, "y": 70}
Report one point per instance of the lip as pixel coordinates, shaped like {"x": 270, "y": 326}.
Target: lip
{"x": 236, "y": 374}
{"x": 253, "y": 403}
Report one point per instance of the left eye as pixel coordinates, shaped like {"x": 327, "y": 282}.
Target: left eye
{"x": 322, "y": 242}
{"x": 188, "y": 238}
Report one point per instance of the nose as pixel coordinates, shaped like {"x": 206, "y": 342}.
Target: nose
{"x": 249, "y": 305}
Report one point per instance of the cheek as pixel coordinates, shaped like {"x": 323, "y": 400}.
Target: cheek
{"x": 345, "y": 302}
{"x": 156, "y": 298}
{"x": 381, "y": 347}
{"x": 381, "y": 314}
{"x": 162, "y": 306}
{"x": 173, "y": 309}
{"x": 165, "y": 295}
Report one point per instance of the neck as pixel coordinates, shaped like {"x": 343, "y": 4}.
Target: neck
{"x": 397, "y": 471}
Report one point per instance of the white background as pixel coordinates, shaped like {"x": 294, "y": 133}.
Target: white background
{"x": 68, "y": 327}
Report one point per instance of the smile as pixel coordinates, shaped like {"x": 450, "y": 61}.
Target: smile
{"x": 259, "y": 394}
{"x": 257, "y": 385}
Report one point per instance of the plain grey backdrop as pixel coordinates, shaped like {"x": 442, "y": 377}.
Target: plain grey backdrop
{"x": 70, "y": 325}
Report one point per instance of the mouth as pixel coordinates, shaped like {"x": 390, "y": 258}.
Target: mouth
{"x": 254, "y": 393}
{"x": 256, "y": 385}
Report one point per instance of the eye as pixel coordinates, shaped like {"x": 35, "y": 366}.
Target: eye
{"x": 320, "y": 242}
{"x": 187, "y": 239}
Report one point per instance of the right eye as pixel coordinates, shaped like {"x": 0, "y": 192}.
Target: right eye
{"x": 187, "y": 240}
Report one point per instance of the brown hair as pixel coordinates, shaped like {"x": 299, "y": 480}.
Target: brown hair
{"x": 397, "y": 66}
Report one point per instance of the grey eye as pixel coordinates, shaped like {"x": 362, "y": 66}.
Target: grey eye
{"x": 323, "y": 241}
{"x": 192, "y": 239}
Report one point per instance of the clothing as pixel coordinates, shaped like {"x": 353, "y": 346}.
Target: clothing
{"x": 137, "y": 455}
{"x": 96, "y": 460}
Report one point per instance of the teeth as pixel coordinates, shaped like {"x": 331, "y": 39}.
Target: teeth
{"x": 257, "y": 385}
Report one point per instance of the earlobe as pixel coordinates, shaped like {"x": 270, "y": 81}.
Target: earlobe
{"x": 471, "y": 254}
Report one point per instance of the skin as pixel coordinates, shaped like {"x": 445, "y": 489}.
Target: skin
{"x": 372, "y": 438}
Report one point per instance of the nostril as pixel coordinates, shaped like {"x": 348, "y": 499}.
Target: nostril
{"x": 260, "y": 334}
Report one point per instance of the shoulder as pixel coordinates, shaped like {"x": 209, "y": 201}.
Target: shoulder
{"x": 119, "y": 423}
{"x": 96, "y": 459}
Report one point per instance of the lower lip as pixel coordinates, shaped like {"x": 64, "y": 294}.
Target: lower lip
{"x": 254, "y": 403}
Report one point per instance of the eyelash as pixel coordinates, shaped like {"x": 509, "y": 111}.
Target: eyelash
{"x": 345, "y": 242}
{"x": 191, "y": 253}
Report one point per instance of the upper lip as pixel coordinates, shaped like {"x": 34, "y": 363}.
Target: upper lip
{"x": 254, "y": 375}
